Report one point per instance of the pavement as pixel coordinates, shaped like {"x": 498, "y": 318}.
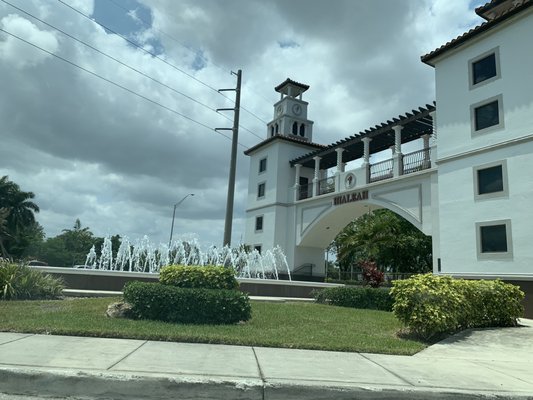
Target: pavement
{"x": 474, "y": 364}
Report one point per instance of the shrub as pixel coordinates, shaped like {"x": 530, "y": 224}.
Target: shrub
{"x": 208, "y": 277}
{"x": 195, "y": 306}
{"x": 371, "y": 274}
{"x": 490, "y": 303}
{"x": 375, "y": 299}
{"x": 432, "y": 305}
{"x": 19, "y": 282}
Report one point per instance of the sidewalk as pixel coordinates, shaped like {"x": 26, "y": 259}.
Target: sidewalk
{"x": 492, "y": 363}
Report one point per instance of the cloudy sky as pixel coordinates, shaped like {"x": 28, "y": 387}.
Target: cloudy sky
{"x": 118, "y": 151}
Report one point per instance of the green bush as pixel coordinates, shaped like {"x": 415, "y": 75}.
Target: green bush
{"x": 208, "y": 277}
{"x": 431, "y": 305}
{"x": 20, "y": 282}
{"x": 375, "y": 299}
{"x": 490, "y": 303}
{"x": 184, "y": 305}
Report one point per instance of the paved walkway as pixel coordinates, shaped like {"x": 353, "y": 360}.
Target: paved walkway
{"x": 491, "y": 363}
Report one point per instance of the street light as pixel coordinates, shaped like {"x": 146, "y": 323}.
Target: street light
{"x": 174, "y": 216}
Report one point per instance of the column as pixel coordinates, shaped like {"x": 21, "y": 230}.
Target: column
{"x": 397, "y": 158}
{"x": 340, "y": 164}
{"x": 340, "y": 168}
{"x": 297, "y": 182}
{"x": 366, "y": 159}
{"x": 317, "y": 174}
{"x": 433, "y": 115}
{"x": 426, "y": 163}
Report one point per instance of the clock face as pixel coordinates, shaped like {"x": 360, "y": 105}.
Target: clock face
{"x": 297, "y": 109}
{"x": 280, "y": 110}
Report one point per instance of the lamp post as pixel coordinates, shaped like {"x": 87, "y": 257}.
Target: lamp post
{"x": 174, "y": 216}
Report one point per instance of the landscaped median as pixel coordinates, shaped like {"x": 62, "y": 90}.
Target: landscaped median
{"x": 202, "y": 305}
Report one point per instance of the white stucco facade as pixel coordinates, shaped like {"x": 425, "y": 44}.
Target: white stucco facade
{"x": 462, "y": 150}
{"x": 470, "y": 187}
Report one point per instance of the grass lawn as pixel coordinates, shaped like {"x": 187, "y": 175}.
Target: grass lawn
{"x": 293, "y": 325}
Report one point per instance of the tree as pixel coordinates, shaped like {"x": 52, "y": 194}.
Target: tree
{"x": 386, "y": 238}
{"x": 20, "y": 216}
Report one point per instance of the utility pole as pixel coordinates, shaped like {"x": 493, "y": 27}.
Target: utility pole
{"x": 233, "y": 162}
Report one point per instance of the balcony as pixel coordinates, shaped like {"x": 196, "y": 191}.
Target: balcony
{"x": 383, "y": 170}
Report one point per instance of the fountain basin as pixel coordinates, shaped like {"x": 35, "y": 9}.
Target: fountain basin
{"x": 105, "y": 280}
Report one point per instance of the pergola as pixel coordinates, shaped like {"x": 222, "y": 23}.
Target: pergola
{"x": 410, "y": 126}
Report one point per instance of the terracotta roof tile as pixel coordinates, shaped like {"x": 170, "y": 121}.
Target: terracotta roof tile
{"x": 515, "y": 7}
{"x": 287, "y": 139}
{"x": 290, "y": 81}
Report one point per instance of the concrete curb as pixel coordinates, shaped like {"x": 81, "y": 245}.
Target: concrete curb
{"x": 92, "y": 384}
{"x": 86, "y": 384}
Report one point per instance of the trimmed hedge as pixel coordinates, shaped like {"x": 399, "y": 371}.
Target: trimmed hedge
{"x": 375, "y": 299}
{"x": 431, "y": 305}
{"x": 208, "y": 277}
{"x": 183, "y": 305}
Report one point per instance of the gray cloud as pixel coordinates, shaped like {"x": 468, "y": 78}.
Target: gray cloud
{"x": 92, "y": 151}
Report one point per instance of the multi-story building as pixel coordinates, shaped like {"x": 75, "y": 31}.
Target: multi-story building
{"x": 470, "y": 185}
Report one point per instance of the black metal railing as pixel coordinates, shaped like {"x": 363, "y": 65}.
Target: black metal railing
{"x": 416, "y": 161}
{"x": 326, "y": 185}
{"x": 381, "y": 170}
{"x": 305, "y": 191}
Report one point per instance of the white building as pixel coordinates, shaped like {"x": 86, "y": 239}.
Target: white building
{"x": 472, "y": 189}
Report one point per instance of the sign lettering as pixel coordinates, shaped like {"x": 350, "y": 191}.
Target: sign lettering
{"x": 350, "y": 197}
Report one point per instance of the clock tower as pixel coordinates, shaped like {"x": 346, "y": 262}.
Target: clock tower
{"x": 290, "y": 113}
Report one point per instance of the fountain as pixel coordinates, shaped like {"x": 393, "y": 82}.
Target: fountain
{"x": 144, "y": 256}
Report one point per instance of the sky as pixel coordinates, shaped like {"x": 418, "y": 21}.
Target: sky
{"x": 116, "y": 136}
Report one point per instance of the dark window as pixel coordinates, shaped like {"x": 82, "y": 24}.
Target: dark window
{"x": 263, "y": 165}
{"x": 272, "y": 131}
{"x": 493, "y": 239}
{"x": 261, "y": 190}
{"x": 484, "y": 69}
{"x": 277, "y": 129}
{"x": 304, "y": 188}
{"x": 295, "y": 128}
{"x": 490, "y": 180}
{"x": 302, "y": 130}
{"x": 487, "y": 115}
{"x": 258, "y": 248}
{"x": 259, "y": 223}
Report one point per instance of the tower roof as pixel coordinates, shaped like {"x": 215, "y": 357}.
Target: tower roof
{"x": 291, "y": 88}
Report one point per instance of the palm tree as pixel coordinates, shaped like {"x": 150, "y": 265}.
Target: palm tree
{"x": 20, "y": 210}
{"x": 4, "y": 212}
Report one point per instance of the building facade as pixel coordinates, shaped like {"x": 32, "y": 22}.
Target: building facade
{"x": 469, "y": 186}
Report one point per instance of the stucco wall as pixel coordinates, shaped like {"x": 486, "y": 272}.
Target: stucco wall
{"x": 455, "y": 96}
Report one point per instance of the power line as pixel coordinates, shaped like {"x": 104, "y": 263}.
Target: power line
{"x": 142, "y": 48}
{"x": 196, "y": 53}
{"x": 125, "y": 65}
{"x": 111, "y": 57}
{"x": 116, "y": 84}
{"x": 153, "y": 55}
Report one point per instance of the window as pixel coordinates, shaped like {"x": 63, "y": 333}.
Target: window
{"x": 295, "y": 128}
{"x": 487, "y": 115}
{"x": 277, "y": 129}
{"x": 258, "y": 248}
{"x": 484, "y": 68}
{"x": 259, "y": 223}
{"x": 261, "y": 190}
{"x": 304, "y": 187}
{"x": 494, "y": 240}
{"x": 262, "y": 165}
{"x": 490, "y": 180}
{"x": 302, "y": 130}
{"x": 272, "y": 130}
